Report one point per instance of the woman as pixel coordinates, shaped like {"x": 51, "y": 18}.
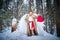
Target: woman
{"x": 31, "y": 29}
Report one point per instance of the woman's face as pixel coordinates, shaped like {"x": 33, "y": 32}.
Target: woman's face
{"x": 30, "y": 13}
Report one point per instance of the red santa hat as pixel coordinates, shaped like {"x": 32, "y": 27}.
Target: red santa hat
{"x": 40, "y": 18}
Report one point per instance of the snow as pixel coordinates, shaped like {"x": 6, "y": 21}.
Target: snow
{"x": 20, "y": 33}
{"x": 14, "y": 21}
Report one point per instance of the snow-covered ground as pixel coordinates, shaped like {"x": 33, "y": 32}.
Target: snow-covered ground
{"x": 20, "y": 33}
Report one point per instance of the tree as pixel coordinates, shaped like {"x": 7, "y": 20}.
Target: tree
{"x": 1, "y": 1}
{"x": 4, "y": 14}
{"x": 38, "y": 4}
{"x": 51, "y": 15}
{"x": 56, "y": 5}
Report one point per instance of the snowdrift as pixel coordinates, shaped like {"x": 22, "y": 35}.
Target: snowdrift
{"x": 20, "y": 33}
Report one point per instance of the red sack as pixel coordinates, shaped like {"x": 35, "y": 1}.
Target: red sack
{"x": 40, "y": 18}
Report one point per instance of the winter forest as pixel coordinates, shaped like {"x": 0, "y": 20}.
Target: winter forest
{"x": 15, "y": 11}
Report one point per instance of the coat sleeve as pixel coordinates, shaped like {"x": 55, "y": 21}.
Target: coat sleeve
{"x": 26, "y": 19}
{"x": 28, "y": 29}
{"x": 34, "y": 16}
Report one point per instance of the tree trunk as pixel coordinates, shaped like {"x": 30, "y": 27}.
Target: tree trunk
{"x": 38, "y": 3}
{"x": 30, "y": 4}
{"x": 57, "y": 17}
{"x": 50, "y": 14}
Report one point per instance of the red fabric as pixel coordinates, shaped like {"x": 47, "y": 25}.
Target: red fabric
{"x": 32, "y": 25}
{"x": 40, "y": 18}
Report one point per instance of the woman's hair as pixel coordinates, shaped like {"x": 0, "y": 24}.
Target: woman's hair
{"x": 30, "y": 11}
